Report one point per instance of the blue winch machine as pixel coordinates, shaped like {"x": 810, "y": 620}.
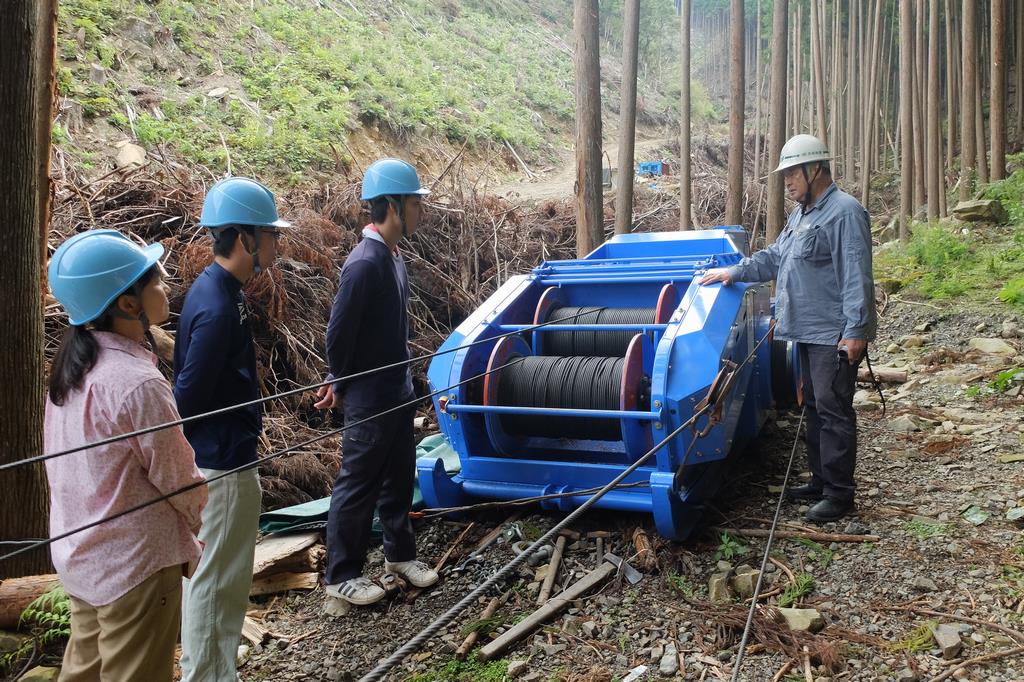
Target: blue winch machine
{"x": 635, "y": 347}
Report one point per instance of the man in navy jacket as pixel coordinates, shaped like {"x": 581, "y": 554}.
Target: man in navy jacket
{"x": 215, "y": 367}
{"x": 369, "y": 328}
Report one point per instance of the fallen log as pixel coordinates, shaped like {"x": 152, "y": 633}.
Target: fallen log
{"x": 471, "y": 638}
{"x": 17, "y": 593}
{"x": 798, "y": 535}
{"x": 552, "y": 608}
{"x": 282, "y": 582}
{"x": 885, "y": 375}
{"x": 646, "y": 559}
{"x": 275, "y": 554}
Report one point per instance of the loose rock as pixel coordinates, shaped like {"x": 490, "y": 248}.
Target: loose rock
{"x": 947, "y": 637}
{"x": 991, "y": 346}
{"x": 805, "y": 620}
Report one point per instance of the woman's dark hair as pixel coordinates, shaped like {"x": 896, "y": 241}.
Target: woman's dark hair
{"x": 79, "y": 350}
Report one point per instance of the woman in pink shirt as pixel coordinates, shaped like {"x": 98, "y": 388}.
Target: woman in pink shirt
{"x": 123, "y": 576}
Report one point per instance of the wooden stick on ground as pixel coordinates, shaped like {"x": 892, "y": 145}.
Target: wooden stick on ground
{"x": 782, "y": 671}
{"x": 995, "y": 655}
{"x": 549, "y": 579}
{"x": 554, "y": 606}
{"x": 471, "y": 638}
{"x": 808, "y": 673}
{"x": 791, "y": 535}
{"x": 645, "y": 556}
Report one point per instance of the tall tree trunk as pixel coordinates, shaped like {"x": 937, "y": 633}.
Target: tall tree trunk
{"x": 1018, "y": 70}
{"x": 758, "y": 81}
{"x": 872, "y": 99}
{"x": 777, "y": 117}
{"x": 952, "y": 93}
{"x": 968, "y": 83}
{"x": 685, "y": 219}
{"x": 627, "y": 118}
{"x": 906, "y": 117}
{"x": 835, "y": 139}
{"x": 798, "y": 74}
{"x": 851, "y": 86}
{"x": 734, "y": 200}
{"x": 27, "y": 59}
{"x": 979, "y": 129}
{"x": 819, "y": 76}
{"x": 920, "y": 130}
{"x": 933, "y": 162}
{"x": 589, "y": 205}
{"x": 997, "y": 116}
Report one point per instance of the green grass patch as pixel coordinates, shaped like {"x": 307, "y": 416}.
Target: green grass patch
{"x": 469, "y": 670}
{"x": 923, "y": 530}
{"x": 681, "y": 585}
{"x": 918, "y": 639}
{"x": 796, "y": 591}
{"x": 817, "y": 552}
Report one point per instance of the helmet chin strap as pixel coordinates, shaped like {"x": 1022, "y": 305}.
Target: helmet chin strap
{"x": 809, "y": 180}
{"x": 136, "y": 291}
{"x": 255, "y": 251}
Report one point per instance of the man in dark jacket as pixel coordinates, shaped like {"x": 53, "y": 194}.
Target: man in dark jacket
{"x": 215, "y": 367}
{"x": 369, "y": 328}
{"x": 825, "y": 302}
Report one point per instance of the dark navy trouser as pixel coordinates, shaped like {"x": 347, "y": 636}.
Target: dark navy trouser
{"x": 829, "y": 386}
{"x": 378, "y": 468}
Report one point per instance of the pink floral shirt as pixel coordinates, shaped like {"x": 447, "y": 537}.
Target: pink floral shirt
{"x": 124, "y": 392}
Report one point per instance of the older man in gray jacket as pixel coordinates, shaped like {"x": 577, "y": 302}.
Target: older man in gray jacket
{"x": 825, "y": 303}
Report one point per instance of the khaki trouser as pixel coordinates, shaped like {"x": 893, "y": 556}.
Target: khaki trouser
{"x": 131, "y": 639}
{"x": 217, "y": 595}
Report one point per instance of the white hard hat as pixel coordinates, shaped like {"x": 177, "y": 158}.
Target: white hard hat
{"x": 801, "y": 149}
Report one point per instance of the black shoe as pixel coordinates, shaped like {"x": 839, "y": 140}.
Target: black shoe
{"x": 804, "y": 492}
{"x": 829, "y": 509}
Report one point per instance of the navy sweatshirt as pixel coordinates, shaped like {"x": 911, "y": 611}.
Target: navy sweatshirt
{"x": 215, "y": 366}
{"x": 369, "y": 326}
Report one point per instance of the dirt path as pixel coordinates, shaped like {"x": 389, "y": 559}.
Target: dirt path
{"x": 559, "y": 183}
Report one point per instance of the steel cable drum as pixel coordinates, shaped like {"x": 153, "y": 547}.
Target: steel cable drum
{"x": 604, "y": 344}
{"x": 577, "y": 382}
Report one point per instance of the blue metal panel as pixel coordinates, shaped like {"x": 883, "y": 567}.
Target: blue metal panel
{"x": 709, "y": 326}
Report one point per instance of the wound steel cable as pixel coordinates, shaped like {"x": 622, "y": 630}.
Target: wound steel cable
{"x": 244, "y": 467}
{"x": 592, "y": 342}
{"x": 259, "y": 401}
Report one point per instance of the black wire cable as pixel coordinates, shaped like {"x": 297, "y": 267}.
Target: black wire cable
{"x": 231, "y": 408}
{"x": 595, "y": 342}
{"x": 244, "y": 467}
{"x": 767, "y": 552}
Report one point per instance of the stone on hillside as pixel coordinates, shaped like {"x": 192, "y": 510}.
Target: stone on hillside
{"x": 11, "y": 641}
{"x": 1010, "y": 330}
{"x": 947, "y": 637}
{"x": 744, "y": 581}
{"x": 40, "y": 674}
{"x": 130, "y": 156}
{"x": 516, "y": 667}
{"x": 991, "y": 346}
{"x": 804, "y": 620}
{"x": 907, "y": 675}
{"x": 912, "y": 341}
{"x": 923, "y": 584}
{"x": 669, "y": 664}
{"x": 981, "y": 211}
{"x": 904, "y": 424}
{"x": 718, "y": 587}
{"x": 217, "y": 93}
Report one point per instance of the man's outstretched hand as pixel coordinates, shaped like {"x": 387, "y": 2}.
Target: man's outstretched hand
{"x": 716, "y": 275}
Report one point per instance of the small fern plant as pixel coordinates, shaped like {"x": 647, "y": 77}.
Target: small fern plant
{"x": 48, "y": 618}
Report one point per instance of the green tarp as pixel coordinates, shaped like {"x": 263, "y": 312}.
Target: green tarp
{"x": 313, "y": 515}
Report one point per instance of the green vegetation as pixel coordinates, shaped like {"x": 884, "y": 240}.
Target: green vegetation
{"x": 48, "y": 619}
{"x": 918, "y": 639}
{"x": 817, "y": 552}
{"x": 794, "y": 592}
{"x": 924, "y": 530}
{"x": 729, "y": 548}
{"x": 301, "y": 77}
{"x": 469, "y": 670}
{"x": 681, "y": 585}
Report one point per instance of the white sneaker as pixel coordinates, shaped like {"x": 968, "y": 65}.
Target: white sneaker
{"x": 416, "y": 572}
{"x": 359, "y": 591}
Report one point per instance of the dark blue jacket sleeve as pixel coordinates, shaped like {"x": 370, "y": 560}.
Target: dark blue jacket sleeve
{"x": 205, "y": 357}
{"x": 357, "y": 282}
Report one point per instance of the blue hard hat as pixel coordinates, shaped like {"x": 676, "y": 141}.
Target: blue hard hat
{"x": 90, "y": 270}
{"x": 240, "y": 201}
{"x": 391, "y": 176}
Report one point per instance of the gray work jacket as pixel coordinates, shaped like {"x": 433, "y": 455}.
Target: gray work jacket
{"x": 822, "y": 267}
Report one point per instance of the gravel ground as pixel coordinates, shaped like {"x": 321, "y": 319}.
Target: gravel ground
{"x": 928, "y": 464}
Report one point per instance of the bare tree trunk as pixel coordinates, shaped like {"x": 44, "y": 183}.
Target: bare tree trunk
{"x": 777, "y": 117}
{"x": 589, "y": 205}
{"x": 851, "y": 85}
{"x": 997, "y": 116}
{"x": 734, "y": 200}
{"x": 798, "y": 74}
{"x": 872, "y": 98}
{"x": 952, "y": 93}
{"x": 933, "y": 163}
{"x": 819, "y": 76}
{"x": 835, "y": 139}
{"x": 981, "y": 139}
{"x": 627, "y": 118}
{"x": 685, "y": 220}
{"x": 1018, "y": 70}
{"x": 920, "y": 63}
{"x": 758, "y": 80}
{"x": 906, "y": 117}
{"x": 968, "y": 79}
{"x": 27, "y": 59}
